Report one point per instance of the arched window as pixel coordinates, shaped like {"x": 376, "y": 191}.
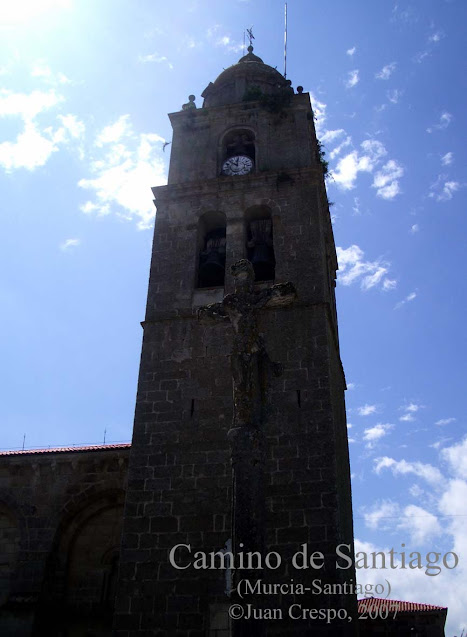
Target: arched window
{"x": 259, "y": 242}
{"x": 238, "y": 146}
{"x": 211, "y": 250}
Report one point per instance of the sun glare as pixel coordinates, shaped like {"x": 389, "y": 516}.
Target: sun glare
{"x": 20, "y": 11}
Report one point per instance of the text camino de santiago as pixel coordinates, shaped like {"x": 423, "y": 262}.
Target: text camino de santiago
{"x": 181, "y": 557}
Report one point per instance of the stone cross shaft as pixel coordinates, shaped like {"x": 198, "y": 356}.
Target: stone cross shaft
{"x": 251, "y": 371}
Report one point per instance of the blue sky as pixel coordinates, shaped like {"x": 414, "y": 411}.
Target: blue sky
{"x": 85, "y": 92}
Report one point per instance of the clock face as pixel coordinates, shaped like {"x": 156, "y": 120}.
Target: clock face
{"x": 237, "y": 165}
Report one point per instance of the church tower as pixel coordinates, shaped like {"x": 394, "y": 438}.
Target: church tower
{"x": 245, "y": 182}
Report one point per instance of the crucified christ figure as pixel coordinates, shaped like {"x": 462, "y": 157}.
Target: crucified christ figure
{"x": 250, "y": 362}
{"x": 251, "y": 368}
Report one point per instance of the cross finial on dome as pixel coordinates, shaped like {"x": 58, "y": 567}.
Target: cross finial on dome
{"x": 251, "y": 37}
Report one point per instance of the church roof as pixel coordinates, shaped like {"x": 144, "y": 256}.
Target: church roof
{"x": 375, "y": 603}
{"x": 25, "y": 452}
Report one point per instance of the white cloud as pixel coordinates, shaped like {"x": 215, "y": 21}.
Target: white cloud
{"x": 444, "y": 121}
{"x": 155, "y": 57}
{"x": 452, "y": 503}
{"x": 351, "y": 386}
{"x": 442, "y": 516}
{"x": 114, "y": 132}
{"x": 436, "y": 37}
{"x": 420, "y": 523}
{"x": 351, "y": 51}
{"x": 73, "y": 125}
{"x": 69, "y": 243}
{"x": 34, "y": 144}
{"x": 223, "y": 40}
{"x": 211, "y": 32}
{"x": 366, "y": 410}
{"x": 412, "y": 407}
{"x": 409, "y": 410}
{"x": 427, "y": 472}
{"x": 456, "y": 457}
{"x": 408, "y": 298}
{"x": 445, "y": 421}
{"x": 349, "y": 166}
{"x": 443, "y": 189}
{"x": 347, "y": 169}
{"x": 125, "y": 166}
{"x": 331, "y": 135}
{"x": 42, "y": 70}
{"x": 336, "y": 151}
{"x": 386, "y": 180}
{"x": 352, "y": 268}
{"x": 373, "y": 434}
{"x": 447, "y": 159}
{"x": 419, "y": 57}
{"x": 449, "y": 188}
{"x": 439, "y": 443}
{"x": 394, "y": 95}
{"x": 416, "y": 491}
{"x": 30, "y": 150}
{"x": 389, "y": 284}
{"x": 386, "y": 71}
{"x": 352, "y": 79}
{"x": 415, "y": 228}
{"x": 27, "y": 105}
{"x": 190, "y": 42}
{"x": 319, "y": 112}
{"x": 376, "y": 518}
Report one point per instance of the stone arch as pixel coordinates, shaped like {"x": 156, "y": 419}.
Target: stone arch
{"x": 81, "y": 570}
{"x": 260, "y": 241}
{"x": 240, "y": 139}
{"x": 211, "y": 247}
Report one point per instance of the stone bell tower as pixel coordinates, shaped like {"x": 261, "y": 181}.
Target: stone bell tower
{"x": 245, "y": 182}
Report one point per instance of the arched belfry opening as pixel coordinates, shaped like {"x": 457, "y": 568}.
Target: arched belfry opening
{"x": 260, "y": 242}
{"x": 211, "y": 250}
{"x": 238, "y": 152}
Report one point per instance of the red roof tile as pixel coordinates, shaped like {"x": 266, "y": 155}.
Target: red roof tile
{"x": 370, "y": 603}
{"x": 25, "y": 452}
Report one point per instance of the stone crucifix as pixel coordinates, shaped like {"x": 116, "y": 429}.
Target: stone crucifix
{"x": 251, "y": 369}
{"x": 250, "y": 362}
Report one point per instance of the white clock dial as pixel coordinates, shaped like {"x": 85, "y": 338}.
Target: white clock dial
{"x": 237, "y": 165}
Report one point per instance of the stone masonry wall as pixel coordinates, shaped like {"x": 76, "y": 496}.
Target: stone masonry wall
{"x": 48, "y": 500}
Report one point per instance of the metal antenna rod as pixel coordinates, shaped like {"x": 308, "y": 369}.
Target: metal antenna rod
{"x": 243, "y": 41}
{"x": 285, "y": 43}
{"x": 24, "y": 440}
{"x": 105, "y": 431}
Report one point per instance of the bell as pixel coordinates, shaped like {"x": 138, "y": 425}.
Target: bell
{"x": 211, "y": 269}
{"x": 262, "y": 259}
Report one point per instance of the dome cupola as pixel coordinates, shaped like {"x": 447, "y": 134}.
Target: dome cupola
{"x": 249, "y": 76}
